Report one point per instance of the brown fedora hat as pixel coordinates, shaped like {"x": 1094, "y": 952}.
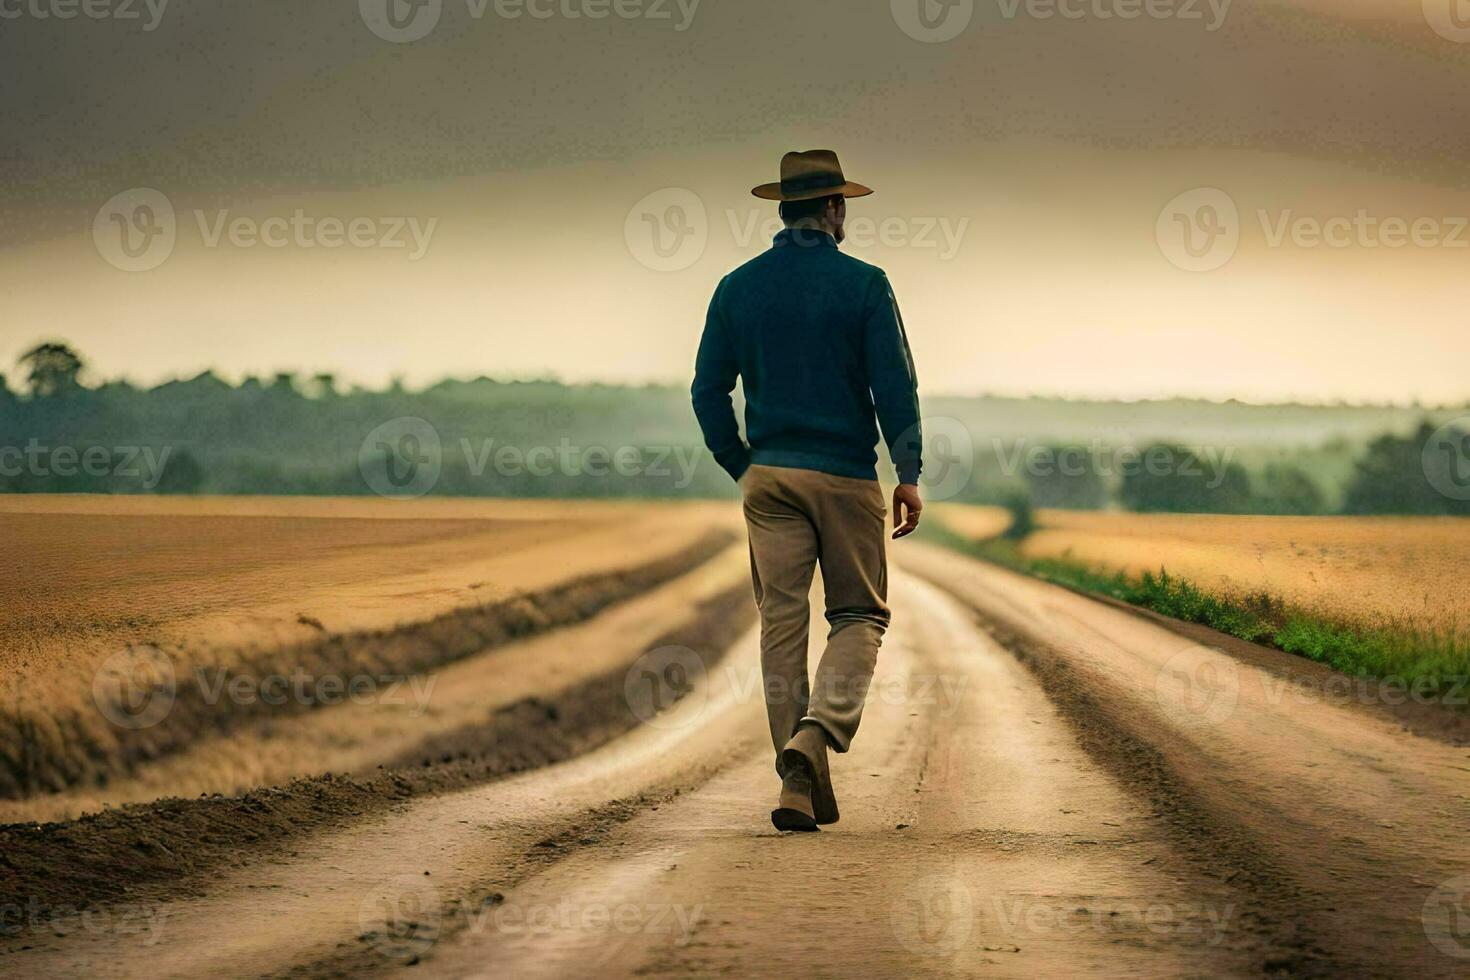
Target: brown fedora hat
{"x": 807, "y": 175}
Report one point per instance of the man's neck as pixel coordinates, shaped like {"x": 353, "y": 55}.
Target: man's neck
{"x": 807, "y": 235}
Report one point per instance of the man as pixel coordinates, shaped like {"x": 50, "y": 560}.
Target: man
{"x": 817, "y": 340}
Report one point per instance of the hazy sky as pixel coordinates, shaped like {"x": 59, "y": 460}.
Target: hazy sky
{"x": 1253, "y": 200}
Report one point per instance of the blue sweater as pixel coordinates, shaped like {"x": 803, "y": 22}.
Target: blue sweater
{"x": 817, "y": 339}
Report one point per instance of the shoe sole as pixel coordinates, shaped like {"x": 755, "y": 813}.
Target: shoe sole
{"x": 786, "y": 818}
{"x": 824, "y": 800}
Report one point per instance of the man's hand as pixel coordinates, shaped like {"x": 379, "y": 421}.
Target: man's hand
{"x": 906, "y": 508}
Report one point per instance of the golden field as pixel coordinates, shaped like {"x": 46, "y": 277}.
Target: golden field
{"x": 256, "y": 587}
{"x": 1360, "y": 569}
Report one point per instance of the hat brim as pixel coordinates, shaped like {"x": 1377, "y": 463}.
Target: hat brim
{"x": 772, "y": 192}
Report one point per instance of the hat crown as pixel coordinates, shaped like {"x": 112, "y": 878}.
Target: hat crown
{"x": 807, "y": 170}
{"x": 809, "y": 174}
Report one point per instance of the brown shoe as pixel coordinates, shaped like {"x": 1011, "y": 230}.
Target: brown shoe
{"x": 794, "y": 811}
{"x": 808, "y": 748}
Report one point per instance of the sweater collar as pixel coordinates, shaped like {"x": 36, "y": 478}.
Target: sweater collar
{"x": 803, "y": 238}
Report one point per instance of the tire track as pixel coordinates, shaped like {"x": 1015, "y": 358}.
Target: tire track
{"x": 1330, "y": 818}
{"x": 976, "y": 839}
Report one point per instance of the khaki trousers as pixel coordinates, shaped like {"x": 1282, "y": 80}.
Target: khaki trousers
{"x": 799, "y": 519}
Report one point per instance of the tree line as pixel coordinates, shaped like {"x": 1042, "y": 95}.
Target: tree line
{"x": 288, "y": 434}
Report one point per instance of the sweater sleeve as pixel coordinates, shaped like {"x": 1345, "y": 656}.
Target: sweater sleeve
{"x": 892, "y": 380}
{"x": 715, "y": 372}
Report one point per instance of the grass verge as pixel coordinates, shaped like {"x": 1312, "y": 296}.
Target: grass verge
{"x": 1429, "y": 660}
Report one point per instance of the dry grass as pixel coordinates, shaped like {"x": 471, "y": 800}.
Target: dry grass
{"x": 975, "y": 523}
{"x": 1351, "y": 569}
{"x": 278, "y": 585}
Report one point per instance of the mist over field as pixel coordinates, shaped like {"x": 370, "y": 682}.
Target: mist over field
{"x": 310, "y": 435}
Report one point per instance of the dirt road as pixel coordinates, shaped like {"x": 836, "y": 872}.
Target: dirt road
{"x": 1044, "y": 785}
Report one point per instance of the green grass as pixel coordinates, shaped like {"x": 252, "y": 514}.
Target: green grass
{"x": 1427, "y": 659}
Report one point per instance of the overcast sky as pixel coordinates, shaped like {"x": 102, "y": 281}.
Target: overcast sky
{"x": 1253, "y": 200}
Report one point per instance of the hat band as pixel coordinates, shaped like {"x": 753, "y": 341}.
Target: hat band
{"x": 812, "y": 182}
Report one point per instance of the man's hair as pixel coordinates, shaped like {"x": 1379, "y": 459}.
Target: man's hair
{"x": 794, "y": 211}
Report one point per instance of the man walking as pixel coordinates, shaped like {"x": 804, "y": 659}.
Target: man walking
{"x": 818, "y": 342}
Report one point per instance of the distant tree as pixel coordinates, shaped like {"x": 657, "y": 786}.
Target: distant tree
{"x": 51, "y": 369}
{"x": 1023, "y": 519}
{"x": 1396, "y": 476}
{"x": 1286, "y": 489}
{"x": 181, "y": 474}
{"x": 1173, "y": 479}
{"x": 324, "y": 385}
{"x": 6, "y": 395}
{"x": 284, "y": 383}
{"x": 1070, "y": 482}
